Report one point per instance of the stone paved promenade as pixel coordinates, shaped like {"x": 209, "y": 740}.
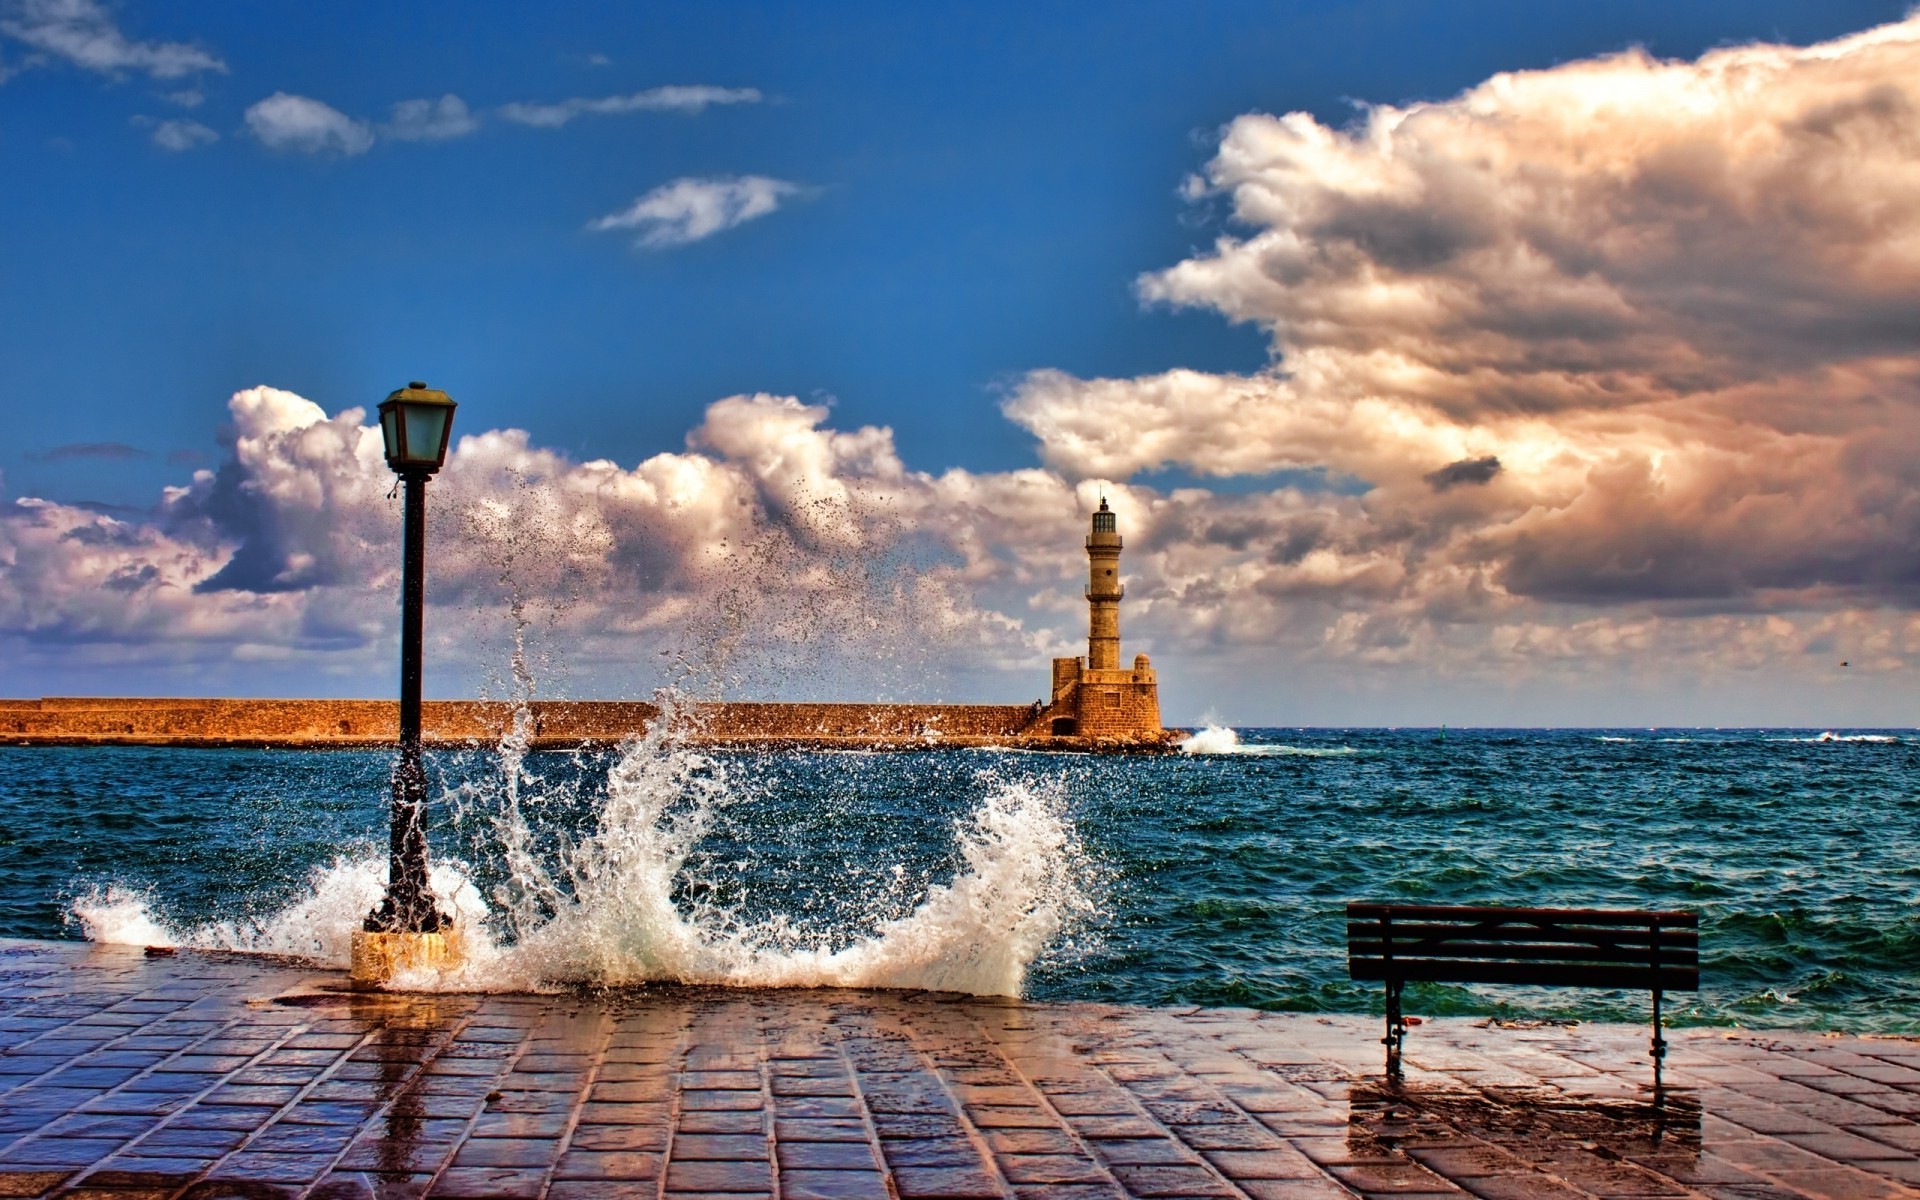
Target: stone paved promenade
{"x": 199, "y": 1075}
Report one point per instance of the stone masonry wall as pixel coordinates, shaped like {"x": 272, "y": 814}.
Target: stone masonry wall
{"x": 1115, "y": 704}
{"x": 1111, "y": 709}
{"x": 196, "y": 722}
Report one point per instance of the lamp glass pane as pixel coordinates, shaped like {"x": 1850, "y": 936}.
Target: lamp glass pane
{"x": 390, "y": 432}
{"x": 426, "y": 426}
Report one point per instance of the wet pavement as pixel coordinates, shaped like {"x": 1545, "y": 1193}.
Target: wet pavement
{"x": 203, "y": 1075}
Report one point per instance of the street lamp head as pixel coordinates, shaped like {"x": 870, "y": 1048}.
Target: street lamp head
{"x": 416, "y": 422}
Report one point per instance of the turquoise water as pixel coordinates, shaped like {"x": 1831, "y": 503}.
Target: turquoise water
{"x": 1208, "y": 879}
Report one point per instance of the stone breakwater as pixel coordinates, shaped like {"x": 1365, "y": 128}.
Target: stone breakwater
{"x": 556, "y": 724}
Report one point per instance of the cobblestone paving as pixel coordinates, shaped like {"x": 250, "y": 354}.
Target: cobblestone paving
{"x": 124, "y": 1077}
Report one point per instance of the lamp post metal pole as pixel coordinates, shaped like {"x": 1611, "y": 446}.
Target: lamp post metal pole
{"x": 408, "y": 931}
{"x": 410, "y": 907}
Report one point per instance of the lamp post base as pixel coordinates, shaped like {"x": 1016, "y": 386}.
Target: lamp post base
{"x": 378, "y": 957}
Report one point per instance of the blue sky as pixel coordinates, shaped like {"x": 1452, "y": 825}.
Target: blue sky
{"x": 964, "y": 196}
{"x": 986, "y": 182}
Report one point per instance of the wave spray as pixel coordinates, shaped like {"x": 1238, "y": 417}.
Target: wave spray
{"x": 630, "y": 900}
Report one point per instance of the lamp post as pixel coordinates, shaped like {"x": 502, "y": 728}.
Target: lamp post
{"x": 408, "y": 929}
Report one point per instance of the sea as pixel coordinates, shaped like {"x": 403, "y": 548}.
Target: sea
{"x": 1216, "y": 876}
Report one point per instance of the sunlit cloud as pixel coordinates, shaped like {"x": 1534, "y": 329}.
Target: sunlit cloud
{"x": 687, "y": 210}
{"x": 430, "y": 120}
{"x": 290, "y": 544}
{"x": 84, "y": 34}
{"x": 302, "y": 125}
{"x": 286, "y": 541}
{"x": 688, "y": 100}
{"x": 1625, "y": 331}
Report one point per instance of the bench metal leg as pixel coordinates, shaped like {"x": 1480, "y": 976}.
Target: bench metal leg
{"x": 1659, "y": 1050}
{"x": 1396, "y": 1028}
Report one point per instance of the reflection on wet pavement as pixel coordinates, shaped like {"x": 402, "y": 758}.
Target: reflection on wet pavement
{"x": 223, "y": 1076}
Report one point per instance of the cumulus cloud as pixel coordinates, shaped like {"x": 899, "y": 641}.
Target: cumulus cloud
{"x": 772, "y": 545}
{"x": 1626, "y": 331}
{"x": 83, "y": 33}
{"x": 687, "y": 99}
{"x": 430, "y": 120}
{"x": 770, "y": 532}
{"x": 688, "y": 210}
{"x": 179, "y": 134}
{"x": 302, "y": 125}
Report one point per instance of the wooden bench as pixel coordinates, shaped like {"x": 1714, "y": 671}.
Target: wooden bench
{"x": 1544, "y": 947}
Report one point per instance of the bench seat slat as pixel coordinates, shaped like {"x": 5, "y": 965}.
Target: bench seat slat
{"x": 1587, "y": 916}
{"x": 1688, "y": 956}
{"x": 1443, "y": 970}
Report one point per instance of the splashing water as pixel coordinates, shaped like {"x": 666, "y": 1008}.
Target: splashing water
{"x": 1214, "y": 739}
{"x": 1219, "y": 740}
{"x": 625, "y": 903}
{"x": 318, "y": 927}
{"x": 624, "y": 878}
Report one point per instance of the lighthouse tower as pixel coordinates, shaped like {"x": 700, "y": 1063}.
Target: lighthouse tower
{"x": 1095, "y": 698}
{"x": 1104, "y": 591}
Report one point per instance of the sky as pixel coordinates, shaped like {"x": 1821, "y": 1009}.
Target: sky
{"x": 1468, "y": 363}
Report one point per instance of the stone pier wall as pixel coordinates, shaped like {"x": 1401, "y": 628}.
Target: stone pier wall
{"x": 557, "y": 724}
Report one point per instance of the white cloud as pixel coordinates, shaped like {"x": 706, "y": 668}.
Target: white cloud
{"x": 681, "y": 99}
{"x": 688, "y": 210}
{"x": 83, "y": 33}
{"x": 288, "y": 543}
{"x": 180, "y": 134}
{"x": 187, "y": 97}
{"x": 306, "y": 126}
{"x": 1621, "y": 332}
{"x": 430, "y": 120}
{"x": 811, "y": 554}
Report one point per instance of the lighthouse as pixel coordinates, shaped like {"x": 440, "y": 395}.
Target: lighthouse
{"x": 1095, "y": 699}
{"x": 1104, "y": 591}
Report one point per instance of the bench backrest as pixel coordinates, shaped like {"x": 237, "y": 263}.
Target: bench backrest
{"x": 1548, "y": 947}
